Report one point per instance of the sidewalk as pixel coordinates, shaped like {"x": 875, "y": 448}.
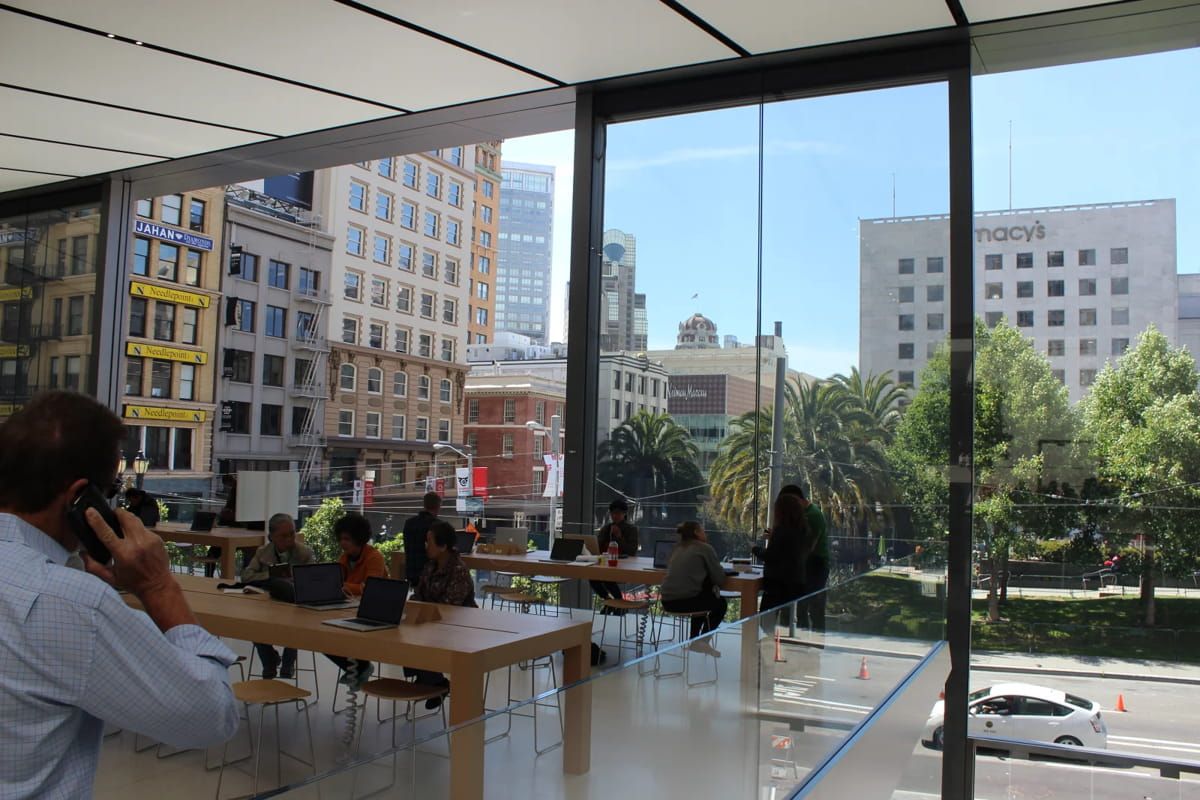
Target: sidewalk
{"x": 1088, "y": 666}
{"x": 1128, "y": 669}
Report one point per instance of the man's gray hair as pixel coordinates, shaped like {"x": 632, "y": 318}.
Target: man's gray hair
{"x": 278, "y": 520}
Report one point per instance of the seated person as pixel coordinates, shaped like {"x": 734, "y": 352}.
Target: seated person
{"x": 445, "y": 579}
{"x": 142, "y": 506}
{"x": 694, "y": 577}
{"x": 282, "y": 548}
{"x": 626, "y": 537}
{"x": 359, "y": 561}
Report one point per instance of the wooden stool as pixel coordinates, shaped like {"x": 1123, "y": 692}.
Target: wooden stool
{"x": 295, "y": 672}
{"x": 264, "y": 694}
{"x": 525, "y": 602}
{"x": 494, "y": 591}
{"x": 399, "y": 691}
{"x": 681, "y": 620}
{"x": 639, "y": 607}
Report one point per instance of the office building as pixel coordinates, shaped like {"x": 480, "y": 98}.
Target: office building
{"x": 171, "y": 335}
{"x": 622, "y": 310}
{"x": 1189, "y": 314}
{"x": 485, "y": 240}
{"x": 705, "y": 404}
{"x": 526, "y": 245}
{"x": 1080, "y": 281}
{"x": 398, "y": 320}
{"x": 696, "y": 353}
{"x": 276, "y": 300}
{"x": 627, "y": 383}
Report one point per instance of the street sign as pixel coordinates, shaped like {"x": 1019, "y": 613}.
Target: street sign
{"x": 358, "y": 497}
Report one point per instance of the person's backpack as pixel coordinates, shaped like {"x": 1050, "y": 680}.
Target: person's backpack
{"x": 598, "y": 655}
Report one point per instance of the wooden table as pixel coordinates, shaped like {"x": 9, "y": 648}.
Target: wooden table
{"x": 466, "y": 644}
{"x": 628, "y": 570}
{"x": 228, "y": 539}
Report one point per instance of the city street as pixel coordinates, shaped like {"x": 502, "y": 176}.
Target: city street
{"x": 1160, "y": 722}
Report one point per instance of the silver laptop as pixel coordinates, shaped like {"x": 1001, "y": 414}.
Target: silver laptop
{"x": 319, "y": 587}
{"x": 518, "y": 537}
{"x": 381, "y": 608}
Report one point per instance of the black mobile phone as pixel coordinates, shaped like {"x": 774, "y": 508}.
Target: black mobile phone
{"x": 91, "y": 497}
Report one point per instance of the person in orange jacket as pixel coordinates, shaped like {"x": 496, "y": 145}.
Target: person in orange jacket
{"x": 359, "y": 561}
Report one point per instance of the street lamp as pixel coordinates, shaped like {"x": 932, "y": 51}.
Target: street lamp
{"x": 553, "y": 433}
{"x": 141, "y": 465}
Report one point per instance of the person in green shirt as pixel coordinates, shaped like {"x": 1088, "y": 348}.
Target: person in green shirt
{"x": 811, "y": 611}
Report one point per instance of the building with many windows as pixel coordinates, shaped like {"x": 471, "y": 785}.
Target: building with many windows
{"x": 174, "y": 292}
{"x": 526, "y": 242}
{"x": 485, "y": 241}
{"x": 398, "y": 320}
{"x": 276, "y": 298}
{"x": 627, "y": 383}
{"x": 622, "y": 310}
{"x": 1080, "y": 281}
{"x": 1189, "y": 314}
{"x": 705, "y": 404}
{"x": 47, "y": 304}
{"x": 498, "y": 406}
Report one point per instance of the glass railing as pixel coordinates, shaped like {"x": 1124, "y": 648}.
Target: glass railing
{"x": 745, "y": 711}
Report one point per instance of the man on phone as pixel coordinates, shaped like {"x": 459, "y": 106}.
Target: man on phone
{"x": 73, "y": 655}
{"x": 626, "y": 537}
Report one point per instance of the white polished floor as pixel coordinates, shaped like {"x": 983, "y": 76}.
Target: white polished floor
{"x": 653, "y": 736}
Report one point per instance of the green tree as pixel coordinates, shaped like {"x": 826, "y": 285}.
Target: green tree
{"x": 1019, "y": 407}
{"x": 1142, "y": 424}
{"x": 651, "y": 456}
{"x": 835, "y": 435}
{"x": 318, "y": 529}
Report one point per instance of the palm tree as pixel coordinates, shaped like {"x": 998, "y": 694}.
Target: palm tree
{"x": 877, "y": 395}
{"x": 835, "y": 434}
{"x": 650, "y": 455}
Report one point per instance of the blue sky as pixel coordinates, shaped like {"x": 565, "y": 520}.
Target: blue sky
{"x": 686, "y": 186}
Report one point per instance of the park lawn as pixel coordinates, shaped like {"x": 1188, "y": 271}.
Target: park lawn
{"x": 893, "y": 605}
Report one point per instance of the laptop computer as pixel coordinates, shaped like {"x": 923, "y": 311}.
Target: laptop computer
{"x": 203, "y": 521}
{"x": 662, "y": 553}
{"x": 590, "y": 542}
{"x": 464, "y": 542}
{"x": 565, "y": 551}
{"x": 518, "y": 537}
{"x": 319, "y": 586}
{"x": 381, "y": 608}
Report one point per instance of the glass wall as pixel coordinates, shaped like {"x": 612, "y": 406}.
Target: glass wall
{"x": 757, "y": 238}
{"x": 48, "y": 312}
{"x": 1086, "y": 443}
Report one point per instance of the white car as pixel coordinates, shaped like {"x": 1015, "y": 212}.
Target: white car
{"x": 1025, "y": 711}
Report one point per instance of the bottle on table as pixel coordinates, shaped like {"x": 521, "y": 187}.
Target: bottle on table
{"x": 614, "y": 553}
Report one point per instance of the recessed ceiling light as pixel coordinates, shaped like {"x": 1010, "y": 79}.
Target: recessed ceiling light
{"x": 112, "y": 36}
{"x": 139, "y": 44}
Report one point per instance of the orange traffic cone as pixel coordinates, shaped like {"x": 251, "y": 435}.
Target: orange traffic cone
{"x": 1121, "y": 703}
{"x": 863, "y": 675}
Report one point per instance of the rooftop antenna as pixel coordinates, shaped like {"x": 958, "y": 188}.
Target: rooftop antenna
{"x": 1010, "y": 165}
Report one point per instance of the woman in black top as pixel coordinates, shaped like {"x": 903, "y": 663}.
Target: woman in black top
{"x": 785, "y": 558}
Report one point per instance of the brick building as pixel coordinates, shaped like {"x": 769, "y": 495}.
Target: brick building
{"x": 497, "y": 408}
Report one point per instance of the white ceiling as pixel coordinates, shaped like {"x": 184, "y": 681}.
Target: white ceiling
{"x": 96, "y": 87}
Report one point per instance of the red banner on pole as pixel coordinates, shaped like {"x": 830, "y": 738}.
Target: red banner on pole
{"x": 479, "y": 482}
{"x": 368, "y": 493}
